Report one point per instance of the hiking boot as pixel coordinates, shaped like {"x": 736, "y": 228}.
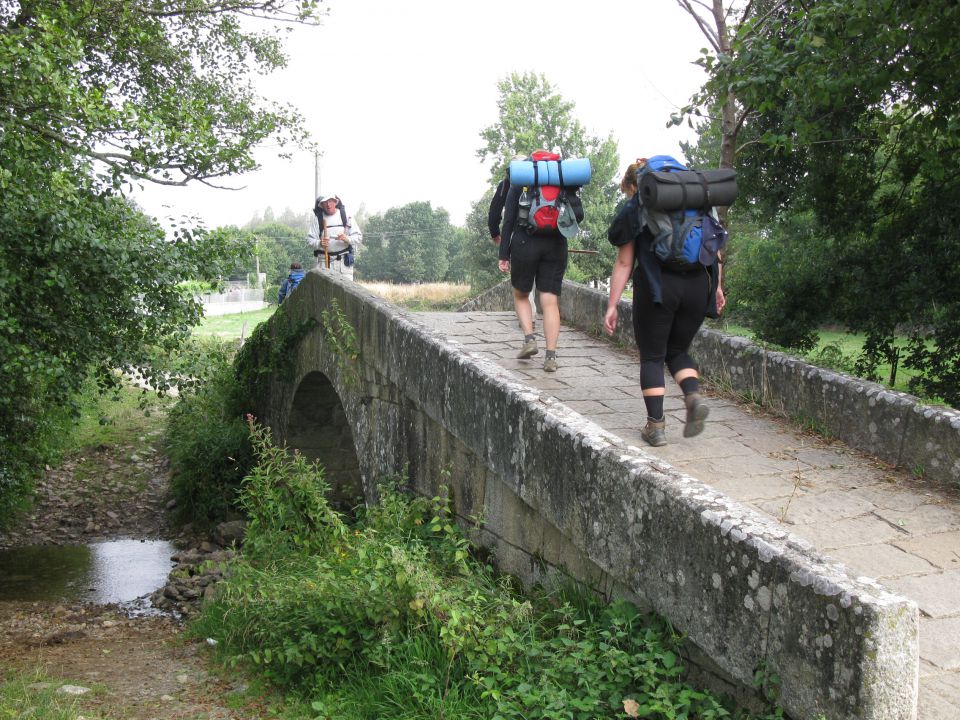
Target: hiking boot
{"x": 697, "y": 412}
{"x": 528, "y": 350}
{"x": 654, "y": 432}
{"x": 550, "y": 364}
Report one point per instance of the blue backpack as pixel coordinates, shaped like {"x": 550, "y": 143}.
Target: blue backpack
{"x": 684, "y": 238}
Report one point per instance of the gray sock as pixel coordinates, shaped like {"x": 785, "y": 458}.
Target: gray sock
{"x": 529, "y": 338}
{"x": 552, "y": 354}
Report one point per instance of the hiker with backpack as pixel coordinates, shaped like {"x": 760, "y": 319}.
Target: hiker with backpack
{"x": 333, "y": 235}
{"x": 290, "y": 282}
{"x": 540, "y": 212}
{"x": 495, "y": 217}
{"x": 671, "y": 248}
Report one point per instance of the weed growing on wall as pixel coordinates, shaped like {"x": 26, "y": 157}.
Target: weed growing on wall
{"x": 270, "y": 353}
{"x": 342, "y": 340}
{"x": 392, "y": 615}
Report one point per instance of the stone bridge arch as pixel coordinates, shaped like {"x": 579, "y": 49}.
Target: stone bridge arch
{"x": 318, "y": 427}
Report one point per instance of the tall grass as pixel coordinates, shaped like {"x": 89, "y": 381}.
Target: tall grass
{"x": 426, "y": 296}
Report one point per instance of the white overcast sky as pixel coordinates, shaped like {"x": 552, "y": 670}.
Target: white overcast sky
{"x": 396, "y": 93}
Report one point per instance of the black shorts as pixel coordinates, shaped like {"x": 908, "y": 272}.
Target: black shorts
{"x": 540, "y": 259}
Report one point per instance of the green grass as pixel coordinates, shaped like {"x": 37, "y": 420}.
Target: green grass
{"x": 838, "y": 351}
{"x": 35, "y": 697}
{"x": 125, "y": 418}
{"x": 231, "y": 327}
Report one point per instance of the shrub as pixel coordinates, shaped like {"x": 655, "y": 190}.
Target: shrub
{"x": 777, "y": 285}
{"x": 207, "y": 438}
{"x": 393, "y": 616}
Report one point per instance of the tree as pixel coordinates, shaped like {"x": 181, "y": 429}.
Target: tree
{"x": 716, "y": 22}
{"x": 856, "y": 120}
{"x": 534, "y": 115}
{"x": 476, "y": 259}
{"x": 94, "y": 96}
{"x": 406, "y": 245}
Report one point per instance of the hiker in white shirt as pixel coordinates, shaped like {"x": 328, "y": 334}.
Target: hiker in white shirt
{"x": 334, "y": 236}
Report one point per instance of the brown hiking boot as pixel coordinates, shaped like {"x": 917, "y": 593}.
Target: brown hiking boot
{"x": 697, "y": 412}
{"x": 528, "y": 350}
{"x": 550, "y": 364}
{"x": 654, "y": 432}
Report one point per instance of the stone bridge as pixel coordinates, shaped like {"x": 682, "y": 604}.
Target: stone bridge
{"x": 551, "y": 465}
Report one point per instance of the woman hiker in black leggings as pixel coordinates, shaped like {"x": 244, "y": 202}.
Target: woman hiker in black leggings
{"x": 668, "y": 309}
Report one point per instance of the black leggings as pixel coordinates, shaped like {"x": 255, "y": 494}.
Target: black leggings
{"x": 664, "y": 332}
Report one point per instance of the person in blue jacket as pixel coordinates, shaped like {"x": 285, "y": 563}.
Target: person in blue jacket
{"x": 668, "y": 308}
{"x": 290, "y": 282}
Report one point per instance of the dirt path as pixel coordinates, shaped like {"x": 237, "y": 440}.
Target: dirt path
{"x": 132, "y": 668}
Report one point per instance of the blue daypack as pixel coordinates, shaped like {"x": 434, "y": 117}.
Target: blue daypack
{"x": 683, "y": 238}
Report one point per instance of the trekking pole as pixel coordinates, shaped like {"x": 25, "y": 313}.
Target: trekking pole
{"x": 326, "y": 245}
{"x": 583, "y": 252}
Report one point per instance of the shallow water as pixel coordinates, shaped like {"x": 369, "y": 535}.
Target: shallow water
{"x": 118, "y": 571}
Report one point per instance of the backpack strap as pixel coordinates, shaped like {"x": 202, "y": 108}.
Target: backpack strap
{"x": 706, "y": 191}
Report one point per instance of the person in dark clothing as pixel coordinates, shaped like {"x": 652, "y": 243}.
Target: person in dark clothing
{"x": 290, "y": 282}
{"x": 495, "y": 213}
{"x": 495, "y": 216}
{"x": 533, "y": 260}
{"x": 668, "y": 309}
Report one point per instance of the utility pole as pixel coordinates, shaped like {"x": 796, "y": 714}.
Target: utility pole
{"x": 316, "y": 173}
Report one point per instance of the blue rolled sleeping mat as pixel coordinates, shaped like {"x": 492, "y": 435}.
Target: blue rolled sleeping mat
{"x": 688, "y": 189}
{"x": 565, "y": 173}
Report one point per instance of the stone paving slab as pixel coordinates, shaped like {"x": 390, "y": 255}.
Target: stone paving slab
{"x": 941, "y": 549}
{"x": 943, "y": 652}
{"x": 881, "y": 522}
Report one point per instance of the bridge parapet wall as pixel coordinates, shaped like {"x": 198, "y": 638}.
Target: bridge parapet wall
{"x": 893, "y": 426}
{"x": 555, "y": 489}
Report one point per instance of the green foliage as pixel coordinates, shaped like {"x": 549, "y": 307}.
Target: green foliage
{"x": 38, "y": 696}
{"x": 342, "y": 341}
{"x": 207, "y": 438}
{"x": 534, "y": 115}
{"x": 779, "y": 284}
{"x": 270, "y": 351}
{"x": 276, "y": 246}
{"x": 199, "y": 287}
{"x": 98, "y": 95}
{"x": 284, "y": 499}
{"x": 207, "y": 434}
{"x": 394, "y": 616}
{"x": 409, "y": 244}
{"x": 477, "y": 255}
{"x": 852, "y": 118}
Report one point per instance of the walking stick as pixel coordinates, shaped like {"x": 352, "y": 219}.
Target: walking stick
{"x": 326, "y": 245}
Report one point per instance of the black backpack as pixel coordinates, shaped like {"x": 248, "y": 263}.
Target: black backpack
{"x": 676, "y": 207}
